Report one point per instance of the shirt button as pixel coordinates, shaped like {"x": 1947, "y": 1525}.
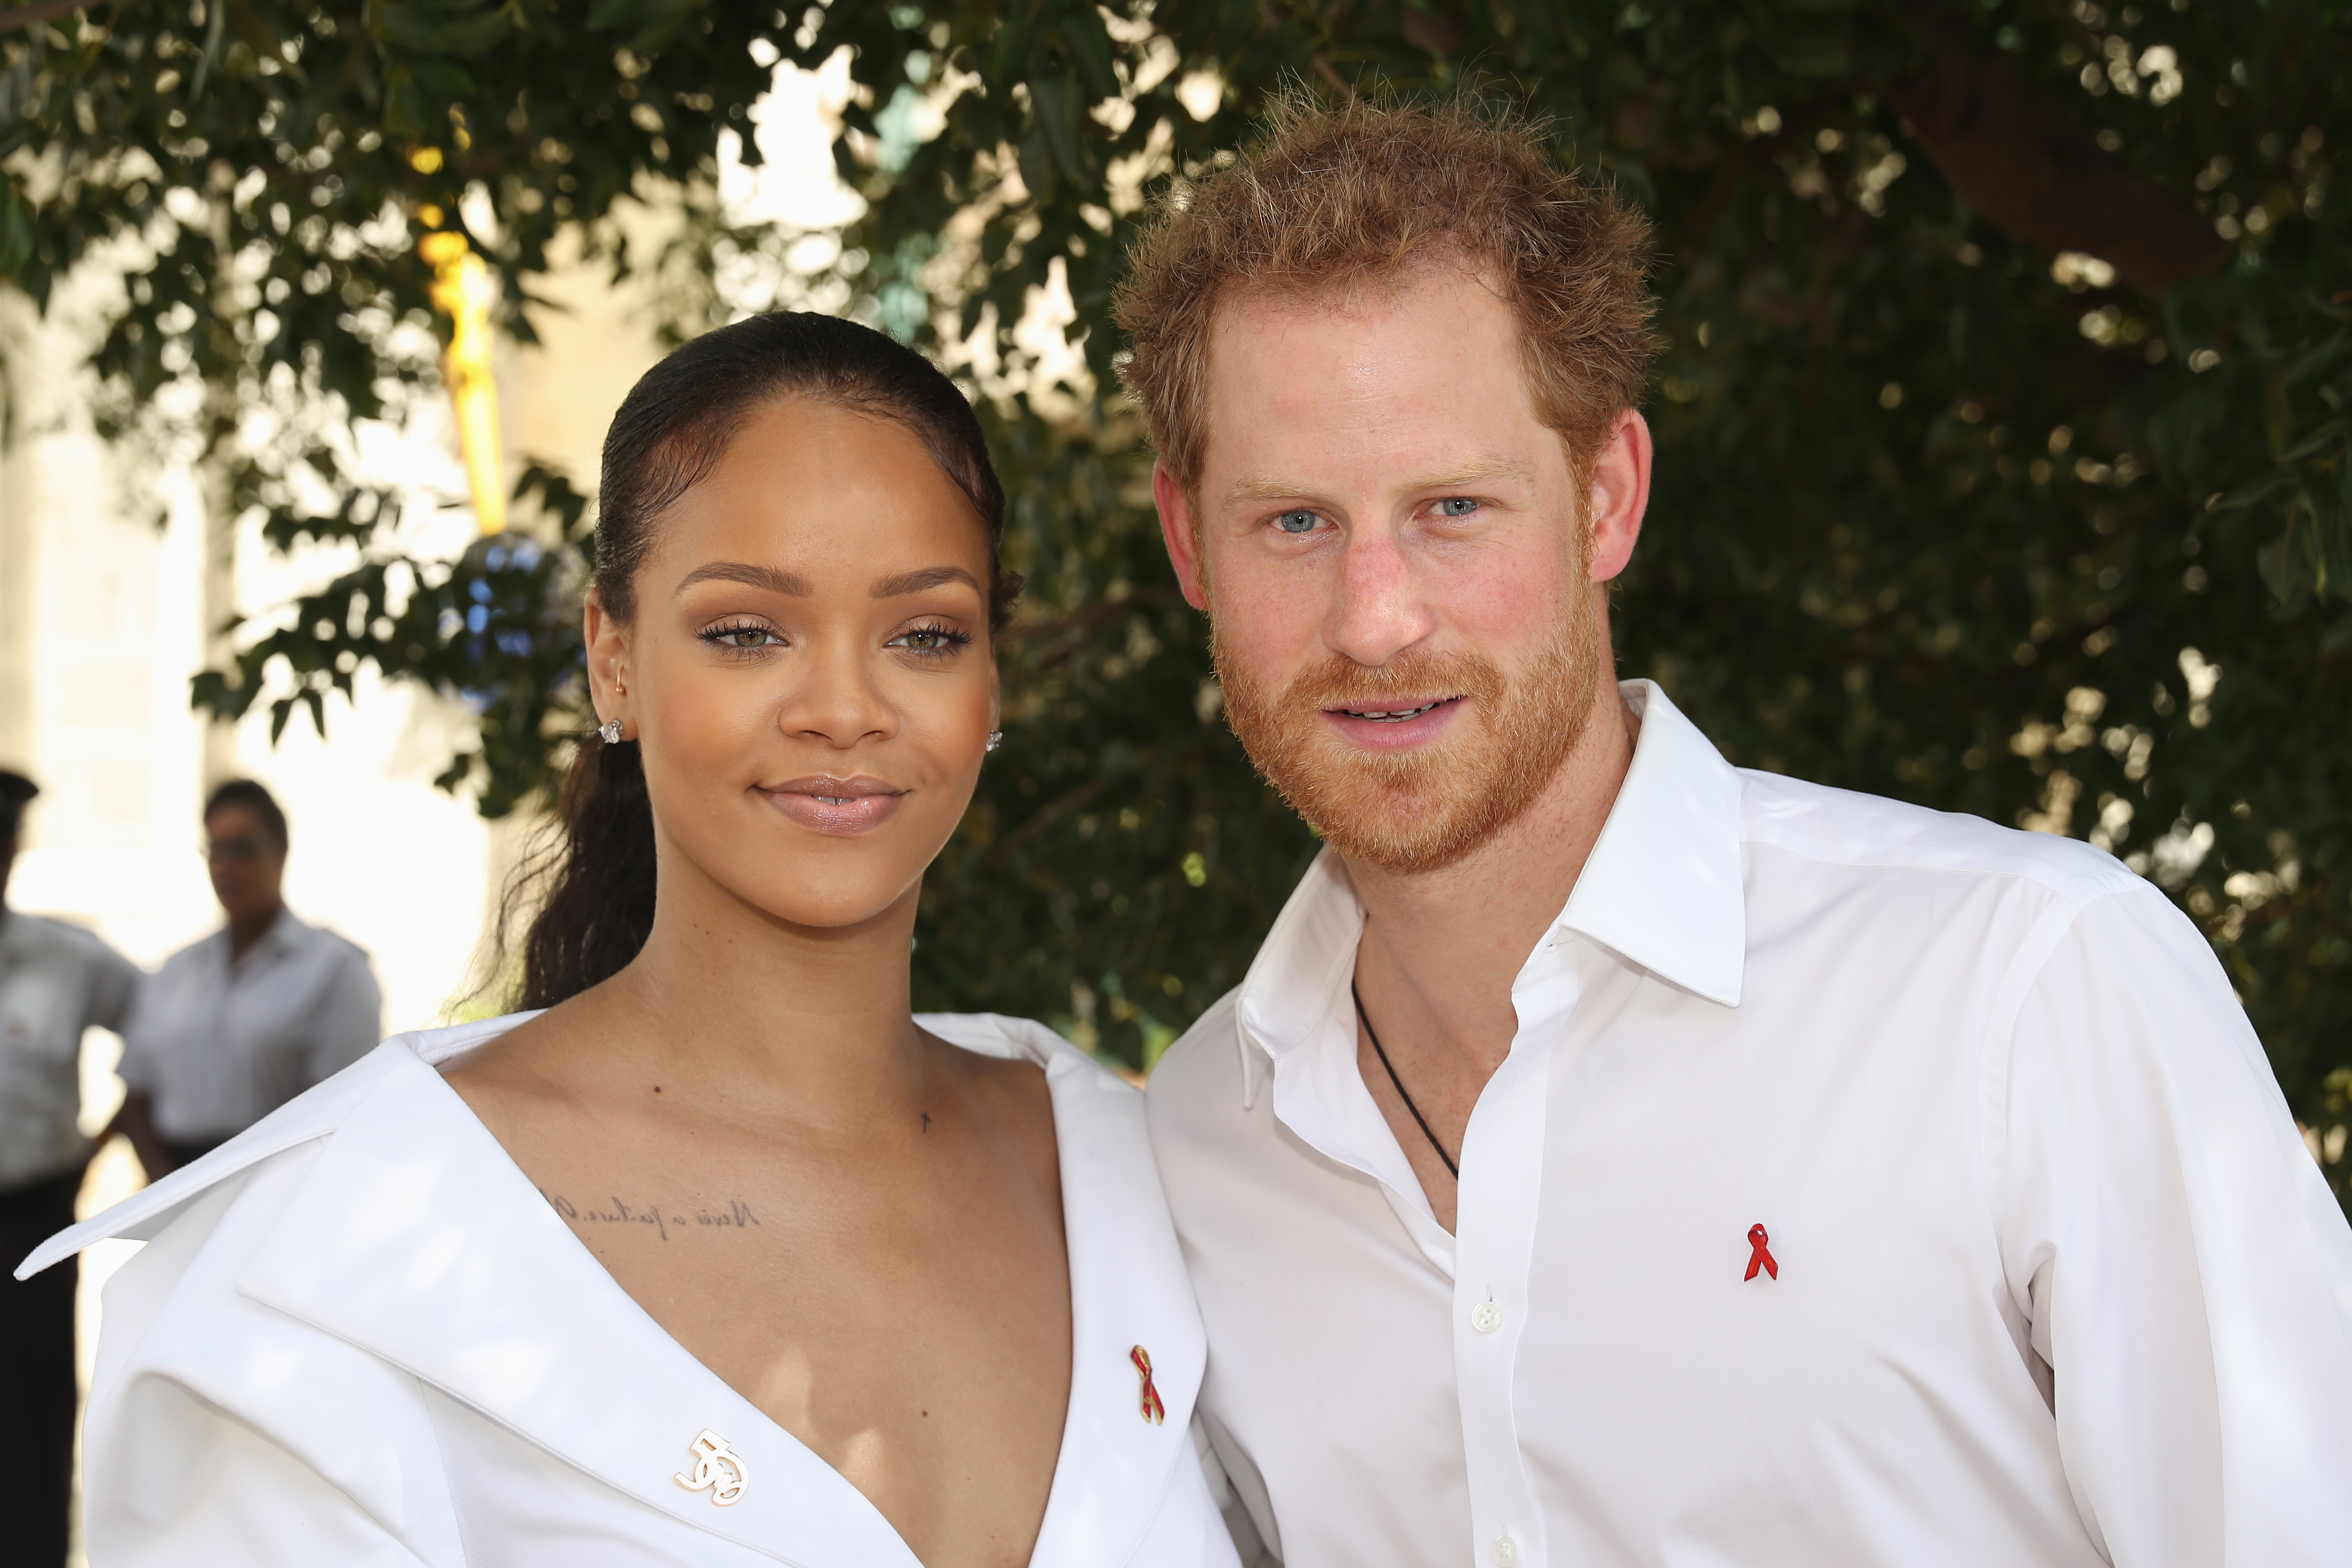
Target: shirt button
{"x": 1487, "y": 1316}
{"x": 1507, "y": 1551}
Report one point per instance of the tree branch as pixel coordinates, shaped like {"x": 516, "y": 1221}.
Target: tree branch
{"x": 47, "y": 11}
{"x": 2035, "y": 173}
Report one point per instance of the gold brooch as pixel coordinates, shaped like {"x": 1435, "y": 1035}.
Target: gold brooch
{"x": 718, "y": 1469}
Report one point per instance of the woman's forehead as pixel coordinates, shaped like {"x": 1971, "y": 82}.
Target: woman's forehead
{"x": 821, "y": 485}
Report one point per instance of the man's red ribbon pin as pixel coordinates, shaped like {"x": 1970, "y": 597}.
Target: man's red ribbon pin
{"x": 1153, "y": 1410}
{"x": 1761, "y": 1257}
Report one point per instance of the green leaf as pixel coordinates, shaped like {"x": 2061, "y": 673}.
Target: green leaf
{"x": 1090, "y": 45}
{"x": 15, "y": 228}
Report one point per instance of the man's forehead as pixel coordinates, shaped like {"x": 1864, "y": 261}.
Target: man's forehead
{"x": 1248, "y": 302}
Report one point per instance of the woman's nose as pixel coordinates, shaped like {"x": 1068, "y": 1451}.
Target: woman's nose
{"x": 838, "y": 701}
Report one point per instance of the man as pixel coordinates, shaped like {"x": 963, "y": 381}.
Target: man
{"x": 56, "y": 982}
{"x": 1613, "y": 1157}
{"x": 235, "y": 1025}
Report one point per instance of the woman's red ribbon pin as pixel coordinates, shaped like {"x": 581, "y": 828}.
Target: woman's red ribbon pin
{"x": 1153, "y": 1410}
{"x": 1761, "y": 1257}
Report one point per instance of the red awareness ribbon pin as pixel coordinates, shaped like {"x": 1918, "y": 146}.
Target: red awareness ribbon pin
{"x": 1153, "y": 1410}
{"x": 1760, "y": 1239}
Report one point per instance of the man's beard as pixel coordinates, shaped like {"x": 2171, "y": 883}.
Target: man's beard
{"x": 1424, "y": 810}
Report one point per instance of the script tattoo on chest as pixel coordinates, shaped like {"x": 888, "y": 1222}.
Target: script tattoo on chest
{"x": 662, "y": 1220}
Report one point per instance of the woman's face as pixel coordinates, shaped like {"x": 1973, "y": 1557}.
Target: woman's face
{"x": 808, "y": 672}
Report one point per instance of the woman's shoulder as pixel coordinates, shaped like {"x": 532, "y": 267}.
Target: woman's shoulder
{"x": 1088, "y": 1093}
{"x": 277, "y": 1138}
{"x": 1024, "y": 1039}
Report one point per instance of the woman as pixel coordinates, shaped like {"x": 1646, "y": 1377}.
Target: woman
{"x": 723, "y": 1257}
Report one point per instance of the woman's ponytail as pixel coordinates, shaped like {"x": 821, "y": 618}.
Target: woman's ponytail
{"x": 599, "y": 874}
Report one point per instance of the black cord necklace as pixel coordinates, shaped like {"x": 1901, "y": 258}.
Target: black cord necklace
{"x": 1365, "y": 1019}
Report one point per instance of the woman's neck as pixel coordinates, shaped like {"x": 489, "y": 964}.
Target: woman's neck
{"x": 811, "y": 1023}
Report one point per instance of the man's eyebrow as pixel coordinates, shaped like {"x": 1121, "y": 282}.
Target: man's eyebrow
{"x": 915, "y": 582}
{"x": 1276, "y": 487}
{"x": 743, "y": 571}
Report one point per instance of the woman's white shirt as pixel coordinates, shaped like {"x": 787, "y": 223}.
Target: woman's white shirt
{"x": 359, "y": 1335}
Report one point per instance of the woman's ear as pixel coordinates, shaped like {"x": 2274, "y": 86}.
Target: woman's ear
{"x": 608, "y": 659}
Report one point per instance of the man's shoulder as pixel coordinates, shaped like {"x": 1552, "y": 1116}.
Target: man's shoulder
{"x": 322, "y": 945}
{"x": 1848, "y": 830}
{"x": 47, "y": 938}
{"x": 1202, "y": 1072}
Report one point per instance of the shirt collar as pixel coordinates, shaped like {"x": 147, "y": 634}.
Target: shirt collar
{"x": 1663, "y": 889}
{"x": 475, "y": 1285}
{"x": 285, "y": 931}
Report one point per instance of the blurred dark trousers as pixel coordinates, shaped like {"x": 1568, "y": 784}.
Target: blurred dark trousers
{"x": 37, "y": 1378}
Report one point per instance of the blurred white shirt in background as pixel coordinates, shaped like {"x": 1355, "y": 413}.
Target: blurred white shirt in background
{"x": 217, "y": 1046}
{"x": 57, "y": 981}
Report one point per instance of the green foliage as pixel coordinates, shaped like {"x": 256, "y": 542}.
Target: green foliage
{"x": 1929, "y": 521}
{"x": 498, "y": 629}
{"x": 278, "y": 162}
{"x": 1939, "y": 514}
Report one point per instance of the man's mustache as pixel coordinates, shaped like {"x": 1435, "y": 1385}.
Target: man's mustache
{"x": 1413, "y": 676}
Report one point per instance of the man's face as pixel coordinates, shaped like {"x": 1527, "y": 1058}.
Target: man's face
{"x": 248, "y": 866}
{"x": 1400, "y": 563}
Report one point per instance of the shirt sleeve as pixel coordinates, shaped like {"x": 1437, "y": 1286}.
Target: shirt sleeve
{"x": 351, "y": 1017}
{"x": 114, "y": 990}
{"x": 191, "y": 1485}
{"x": 2184, "y": 1271}
{"x": 137, "y": 1068}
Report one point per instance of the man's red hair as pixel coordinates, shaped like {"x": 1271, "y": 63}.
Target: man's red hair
{"x": 1329, "y": 198}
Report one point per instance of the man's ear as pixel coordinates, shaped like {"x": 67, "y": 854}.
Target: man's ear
{"x": 1619, "y": 493}
{"x": 1176, "y": 531}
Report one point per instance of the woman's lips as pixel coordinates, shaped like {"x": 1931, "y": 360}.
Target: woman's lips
{"x": 834, "y": 806}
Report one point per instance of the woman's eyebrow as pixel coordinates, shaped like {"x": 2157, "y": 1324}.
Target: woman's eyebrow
{"x": 743, "y": 571}
{"x": 927, "y": 577}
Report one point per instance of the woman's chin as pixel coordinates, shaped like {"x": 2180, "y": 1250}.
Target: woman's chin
{"x": 829, "y": 904}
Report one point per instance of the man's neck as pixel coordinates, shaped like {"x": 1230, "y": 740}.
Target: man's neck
{"x": 245, "y": 933}
{"x": 1441, "y": 948}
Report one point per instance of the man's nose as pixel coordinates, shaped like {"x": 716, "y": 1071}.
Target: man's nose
{"x": 1378, "y": 609}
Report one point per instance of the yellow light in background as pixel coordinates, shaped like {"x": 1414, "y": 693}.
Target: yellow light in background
{"x": 463, "y": 290}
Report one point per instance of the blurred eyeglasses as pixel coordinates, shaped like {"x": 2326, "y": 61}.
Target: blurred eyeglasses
{"x": 239, "y": 849}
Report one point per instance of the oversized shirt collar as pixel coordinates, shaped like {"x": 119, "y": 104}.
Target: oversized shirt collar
{"x": 1662, "y": 889}
{"x": 416, "y": 1237}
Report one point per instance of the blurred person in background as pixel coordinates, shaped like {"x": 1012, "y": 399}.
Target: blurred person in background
{"x": 56, "y": 982}
{"x": 235, "y": 1025}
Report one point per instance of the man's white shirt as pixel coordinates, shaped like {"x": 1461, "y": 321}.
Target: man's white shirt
{"x": 56, "y": 982}
{"x": 2052, "y": 1277}
{"x": 219, "y": 1042}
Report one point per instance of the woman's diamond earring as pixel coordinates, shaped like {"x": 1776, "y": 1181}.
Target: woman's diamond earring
{"x": 609, "y": 732}
{"x": 995, "y": 739}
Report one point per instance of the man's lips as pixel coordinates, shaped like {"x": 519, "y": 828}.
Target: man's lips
{"x": 830, "y": 804}
{"x": 1393, "y": 712}
{"x": 1393, "y": 724}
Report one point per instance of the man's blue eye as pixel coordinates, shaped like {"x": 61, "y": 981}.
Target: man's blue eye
{"x": 1296, "y": 521}
{"x": 1456, "y": 506}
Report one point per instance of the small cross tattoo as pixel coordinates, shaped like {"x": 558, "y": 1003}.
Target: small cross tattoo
{"x": 927, "y": 1124}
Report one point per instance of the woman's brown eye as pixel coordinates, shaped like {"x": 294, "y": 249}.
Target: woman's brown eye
{"x": 935, "y": 640}
{"x": 740, "y": 640}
